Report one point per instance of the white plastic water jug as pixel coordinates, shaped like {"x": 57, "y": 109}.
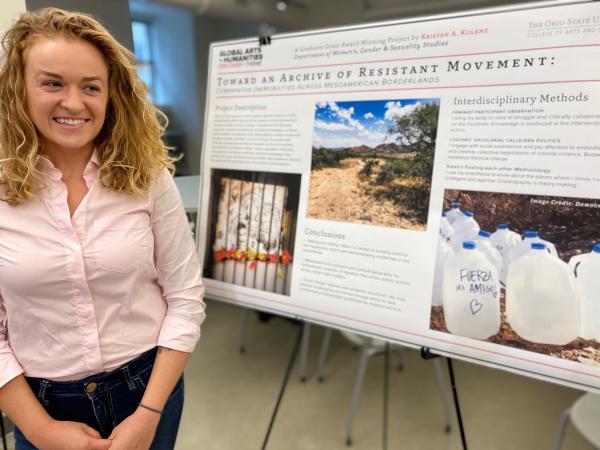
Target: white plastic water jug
{"x": 446, "y": 229}
{"x": 465, "y": 228}
{"x": 471, "y": 294}
{"x": 523, "y": 248}
{"x": 541, "y": 301}
{"x": 485, "y": 246}
{"x": 454, "y": 212}
{"x": 586, "y": 269}
{"x": 444, "y": 250}
{"x": 504, "y": 239}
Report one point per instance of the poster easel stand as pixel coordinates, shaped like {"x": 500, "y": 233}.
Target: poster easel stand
{"x": 386, "y": 383}
{"x": 286, "y": 378}
{"x": 426, "y": 354}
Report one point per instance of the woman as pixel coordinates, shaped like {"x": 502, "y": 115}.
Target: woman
{"x": 100, "y": 286}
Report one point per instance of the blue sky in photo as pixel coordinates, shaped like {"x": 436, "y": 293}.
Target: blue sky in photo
{"x": 350, "y": 124}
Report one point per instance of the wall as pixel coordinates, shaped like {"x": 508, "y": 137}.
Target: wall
{"x": 329, "y": 14}
{"x": 114, "y": 14}
{"x": 10, "y": 11}
{"x": 175, "y": 56}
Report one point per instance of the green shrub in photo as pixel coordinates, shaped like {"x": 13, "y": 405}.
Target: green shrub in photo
{"x": 322, "y": 158}
{"x": 368, "y": 167}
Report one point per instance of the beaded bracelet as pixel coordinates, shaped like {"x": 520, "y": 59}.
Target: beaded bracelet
{"x": 149, "y": 408}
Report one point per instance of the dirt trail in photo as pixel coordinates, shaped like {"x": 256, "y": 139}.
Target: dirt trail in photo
{"x": 339, "y": 194}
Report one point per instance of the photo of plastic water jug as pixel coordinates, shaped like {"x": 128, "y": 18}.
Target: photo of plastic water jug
{"x": 485, "y": 246}
{"x": 446, "y": 229}
{"x": 586, "y": 269}
{"x": 471, "y": 294}
{"x": 454, "y": 212}
{"x": 465, "y": 228}
{"x": 541, "y": 301}
{"x": 504, "y": 239}
{"x": 523, "y": 248}
{"x": 444, "y": 250}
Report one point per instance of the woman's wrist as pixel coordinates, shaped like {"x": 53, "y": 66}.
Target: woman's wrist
{"x": 24, "y": 409}
{"x": 36, "y": 431}
{"x": 149, "y": 416}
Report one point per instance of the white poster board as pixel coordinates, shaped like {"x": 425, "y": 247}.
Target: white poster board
{"x": 330, "y": 156}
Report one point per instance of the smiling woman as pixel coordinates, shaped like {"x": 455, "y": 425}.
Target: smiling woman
{"x": 66, "y": 82}
{"x": 129, "y": 144}
{"x": 100, "y": 286}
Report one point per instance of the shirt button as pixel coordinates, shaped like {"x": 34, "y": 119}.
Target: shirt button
{"x": 91, "y": 387}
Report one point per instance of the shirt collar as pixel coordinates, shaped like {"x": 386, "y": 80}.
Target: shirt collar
{"x": 42, "y": 161}
{"x": 89, "y": 173}
{"x": 95, "y": 158}
{"x": 45, "y": 165}
{"x": 91, "y": 169}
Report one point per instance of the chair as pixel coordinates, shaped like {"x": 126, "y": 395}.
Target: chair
{"x": 585, "y": 416}
{"x": 369, "y": 347}
{"x": 303, "y": 363}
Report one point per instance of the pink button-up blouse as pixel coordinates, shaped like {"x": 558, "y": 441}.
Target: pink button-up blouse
{"x": 85, "y": 294}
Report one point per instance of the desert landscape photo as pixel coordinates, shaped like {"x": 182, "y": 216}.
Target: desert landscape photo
{"x": 372, "y": 162}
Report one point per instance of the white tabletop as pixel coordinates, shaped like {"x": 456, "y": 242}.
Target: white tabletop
{"x": 189, "y": 188}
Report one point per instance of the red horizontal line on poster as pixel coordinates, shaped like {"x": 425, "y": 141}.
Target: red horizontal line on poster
{"x": 405, "y": 89}
{"x": 412, "y": 333}
{"x": 416, "y": 58}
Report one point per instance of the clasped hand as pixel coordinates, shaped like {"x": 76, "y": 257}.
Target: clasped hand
{"x": 135, "y": 433}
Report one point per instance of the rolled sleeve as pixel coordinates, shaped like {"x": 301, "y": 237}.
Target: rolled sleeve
{"x": 178, "y": 268}
{"x": 9, "y": 366}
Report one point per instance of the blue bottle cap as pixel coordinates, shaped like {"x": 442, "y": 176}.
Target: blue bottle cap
{"x": 531, "y": 234}
{"x": 455, "y": 205}
{"x": 469, "y": 245}
{"x": 484, "y": 233}
{"x": 469, "y": 213}
{"x": 596, "y": 247}
{"x": 502, "y": 226}
{"x": 538, "y": 246}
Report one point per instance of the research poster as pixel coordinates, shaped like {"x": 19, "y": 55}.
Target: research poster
{"x": 434, "y": 182}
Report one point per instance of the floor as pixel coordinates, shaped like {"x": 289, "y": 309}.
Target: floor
{"x": 230, "y": 397}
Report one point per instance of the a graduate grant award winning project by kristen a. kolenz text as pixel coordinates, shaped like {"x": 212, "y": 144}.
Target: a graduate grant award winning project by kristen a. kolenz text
{"x": 434, "y": 182}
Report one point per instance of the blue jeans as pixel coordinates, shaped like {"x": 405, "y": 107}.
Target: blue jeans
{"x": 114, "y": 396}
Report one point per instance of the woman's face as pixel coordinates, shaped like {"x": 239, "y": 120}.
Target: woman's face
{"x": 66, "y": 82}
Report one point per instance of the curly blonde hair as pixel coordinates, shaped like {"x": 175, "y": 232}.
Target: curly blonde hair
{"x": 130, "y": 148}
